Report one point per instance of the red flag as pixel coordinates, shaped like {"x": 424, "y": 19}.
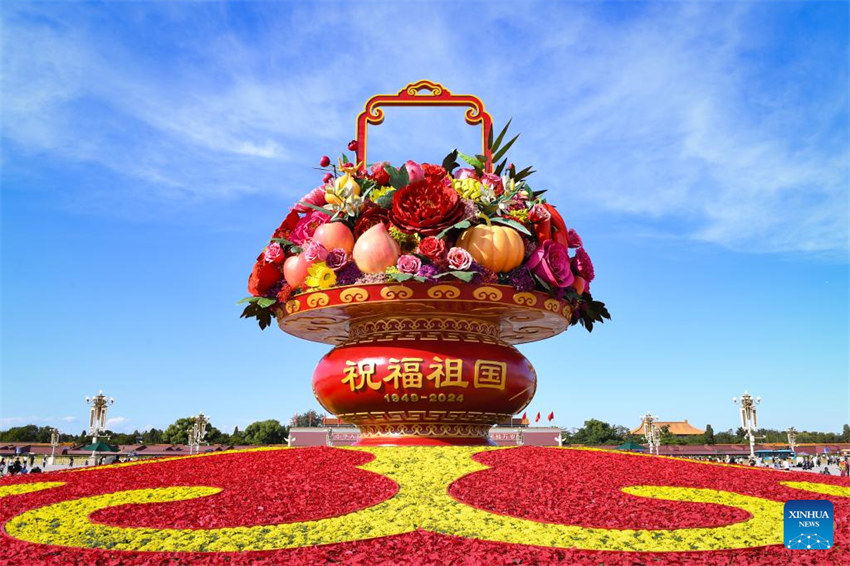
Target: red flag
{"x": 524, "y": 419}
{"x": 537, "y": 420}
{"x": 551, "y": 416}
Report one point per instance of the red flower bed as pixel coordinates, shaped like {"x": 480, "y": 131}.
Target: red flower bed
{"x": 574, "y": 487}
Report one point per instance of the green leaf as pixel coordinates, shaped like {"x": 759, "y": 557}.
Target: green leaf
{"x": 398, "y": 177}
{"x": 248, "y": 300}
{"x": 345, "y": 159}
{"x": 265, "y": 302}
{"x": 474, "y": 161}
{"x": 524, "y": 173}
{"x": 541, "y": 282}
{"x": 512, "y": 223}
{"x": 494, "y": 146}
{"x": 463, "y": 275}
{"x": 459, "y": 226}
{"x": 400, "y": 277}
{"x": 450, "y": 161}
{"x": 283, "y": 241}
{"x": 499, "y": 154}
{"x": 314, "y": 207}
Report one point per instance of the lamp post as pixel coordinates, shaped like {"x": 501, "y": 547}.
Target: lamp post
{"x": 749, "y": 421}
{"x": 97, "y": 418}
{"x": 54, "y": 441}
{"x": 792, "y": 439}
{"x": 198, "y": 431}
{"x": 650, "y": 431}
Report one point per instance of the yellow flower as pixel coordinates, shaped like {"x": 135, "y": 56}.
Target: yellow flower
{"x": 320, "y": 276}
{"x": 407, "y": 242}
{"x": 467, "y": 188}
{"x": 375, "y": 194}
{"x": 520, "y": 215}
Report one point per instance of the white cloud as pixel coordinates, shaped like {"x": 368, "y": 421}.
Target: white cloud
{"x": 668, "y": 114}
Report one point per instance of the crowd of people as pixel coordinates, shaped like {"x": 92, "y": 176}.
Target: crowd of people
{"x": 27, "y": 464}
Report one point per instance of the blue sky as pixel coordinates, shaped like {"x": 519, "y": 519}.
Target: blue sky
{"x": 700, "y": 149}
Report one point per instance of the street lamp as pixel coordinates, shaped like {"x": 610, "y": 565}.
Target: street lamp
{"x": 650, "y": 431}
{"x": 97, "y": 418}
{"x": 198, "y": 431}
{"x": 54, "y": 441}
{"x": 749, "y": 421}
{"x": 792, "y": 439}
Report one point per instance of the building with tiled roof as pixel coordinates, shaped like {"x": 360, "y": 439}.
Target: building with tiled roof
{"x": 676, "y": 428}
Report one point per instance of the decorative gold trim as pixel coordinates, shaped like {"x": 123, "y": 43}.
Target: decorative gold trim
{"x": 444, "y": 292}
{"x": 396, "y": 292}
{"x": 318, "y": 300}
{"x": 487, "y": 294}
{"x": 552, "y": 305}
{"x": 293, "y": 306}
{"x": 354, "y": 295}
{"x": 525, "y": 298}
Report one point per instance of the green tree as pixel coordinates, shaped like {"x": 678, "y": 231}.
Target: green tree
{"x": 310, "y": 418}
{"x": 238, "y": 437}
{"x": 178, "y": 431}
{"x": 709, "y": 434}
{"x": 845, "y": 433}
{"x": 596, "y": 432}
{"x": 265, "y": 432}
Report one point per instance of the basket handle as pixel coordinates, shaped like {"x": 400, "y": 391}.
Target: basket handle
{"x": 438, "y": 96}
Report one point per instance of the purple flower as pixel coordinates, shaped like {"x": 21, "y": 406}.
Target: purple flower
{"x": 521, "y": 279}
{"x": 348, "y": 275}
{"x": 459, "y": 259}
{"x": 409, "y": 263}
{"x": 551, "y": 262}
{"x": 314, "y": 251}
{"x": 428, "y": 271}
{"x": 366, "y": 278}
{"x": 336, "y": 259}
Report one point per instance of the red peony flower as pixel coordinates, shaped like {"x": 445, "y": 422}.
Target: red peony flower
{"x": 287, "y": 226}
{"x": 433, "y": 248}
{"x": 435, "y": 173}
{"x": 263, "y": 277}
{"x": 426, "y": 207}
{"x": 370, "y": 215}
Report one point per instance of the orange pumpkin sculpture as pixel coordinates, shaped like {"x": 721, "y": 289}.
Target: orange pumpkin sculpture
{"x": 498, "y": 248}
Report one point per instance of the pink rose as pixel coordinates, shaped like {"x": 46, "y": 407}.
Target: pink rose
{"x": 306, "y": 226}
{"x": 551, "y": 262}
{"x": 494, "y": 181}
{"x": 314, "y": 251}
{"x": 459, "y": 259}
{"x": 316, "y": 197}
{"x": 336, "y": 259}
{"x": 465, "y": 173}
{"x": 409, "y": 263}
{"x": 414, "y": 171}
{"x": 538, "y": 213}
{"x": 274, "y": 253}
{"x": 582, "y": 265}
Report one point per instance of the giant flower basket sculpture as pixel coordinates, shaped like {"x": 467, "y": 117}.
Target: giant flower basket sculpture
{"x": 424, "y": 277}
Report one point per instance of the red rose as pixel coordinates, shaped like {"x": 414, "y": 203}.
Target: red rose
{"x": 433, "y": 248}
{"x": 263, "y": 277}
{"x": 370, "y": 215}
{"x": 379, "y": 175}
{"x": 426, "y": 207}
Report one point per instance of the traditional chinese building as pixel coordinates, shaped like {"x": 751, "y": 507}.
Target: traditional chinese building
{"x": 676, "y": 428}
